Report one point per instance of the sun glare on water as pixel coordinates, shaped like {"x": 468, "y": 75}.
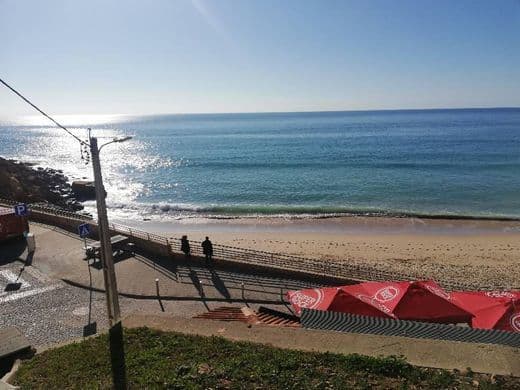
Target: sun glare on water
{"x": 45, "y": 145}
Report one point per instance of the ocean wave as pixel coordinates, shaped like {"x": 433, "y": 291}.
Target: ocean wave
{"x": 182, "y": 211}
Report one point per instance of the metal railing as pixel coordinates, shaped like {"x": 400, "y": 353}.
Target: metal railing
{"x": 270, "y": 260}
{"x": 53, "y": 210}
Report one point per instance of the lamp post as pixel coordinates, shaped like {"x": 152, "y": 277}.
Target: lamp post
{"x": 117, "y": 355}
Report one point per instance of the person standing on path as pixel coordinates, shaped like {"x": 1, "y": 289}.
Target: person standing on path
{"x": 185, "y": 246}
{"x": 207, "y": 249}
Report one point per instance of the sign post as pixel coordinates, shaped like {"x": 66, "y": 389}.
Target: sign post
{"x": 91, "y": 327}
{"x": 84, "y": 232}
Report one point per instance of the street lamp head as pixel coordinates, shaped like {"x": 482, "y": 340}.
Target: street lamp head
{"x": 123, "y": 139}
{"x": 116, "y": 139}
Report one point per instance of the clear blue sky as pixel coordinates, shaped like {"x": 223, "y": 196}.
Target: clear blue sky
{"x": 168, "y": 56}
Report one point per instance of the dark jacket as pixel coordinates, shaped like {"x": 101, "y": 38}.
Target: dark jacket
{"x": 207, "y": 247}
{"x": 185, "y": 246}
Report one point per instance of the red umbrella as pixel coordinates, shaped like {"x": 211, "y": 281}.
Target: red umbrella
{"x": 491, "y": 309}
{"x": 332, "y": 299}
{"x": 503, "y": 294}
{"x": 421, "y": 301}
{"x": 312, "y": 298}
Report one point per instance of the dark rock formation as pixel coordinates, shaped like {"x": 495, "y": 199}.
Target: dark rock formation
{"x": 84, "y": 189}
{"x": 21, "y": 182}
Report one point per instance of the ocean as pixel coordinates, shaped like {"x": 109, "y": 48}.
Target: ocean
{"x": 455, "y": 163}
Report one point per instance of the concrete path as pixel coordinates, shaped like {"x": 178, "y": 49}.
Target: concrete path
{"x": 60, "y": 255}
{"x": 483, "y": 358}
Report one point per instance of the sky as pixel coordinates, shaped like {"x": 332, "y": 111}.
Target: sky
{"x": 197, "y": 56}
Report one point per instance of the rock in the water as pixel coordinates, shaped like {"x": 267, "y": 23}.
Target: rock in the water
{"x": 84, "y": 190}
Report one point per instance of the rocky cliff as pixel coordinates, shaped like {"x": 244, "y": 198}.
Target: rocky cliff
{"x": 21, "y": 182}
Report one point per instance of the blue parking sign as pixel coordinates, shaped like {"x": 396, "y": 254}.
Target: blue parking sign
{"x": 84, "y": 230}
{"x": 21, "y": 210}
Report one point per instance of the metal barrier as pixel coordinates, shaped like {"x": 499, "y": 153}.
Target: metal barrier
{"x": 328, "y": 269}
{"x": 352, "y": 323}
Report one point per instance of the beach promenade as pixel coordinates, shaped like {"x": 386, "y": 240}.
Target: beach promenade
{"x": 61, "y": 256}
{"x": 59, "y": 290}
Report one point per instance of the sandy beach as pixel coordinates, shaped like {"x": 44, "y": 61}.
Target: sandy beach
{"x": 477, "y": 251}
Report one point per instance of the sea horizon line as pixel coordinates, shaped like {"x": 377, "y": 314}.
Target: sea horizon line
{"x": 480, "y": 108}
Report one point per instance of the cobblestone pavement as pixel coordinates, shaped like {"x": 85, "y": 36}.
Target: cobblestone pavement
{"x": 46, "y": 311}
{"x": 49, "y": 311}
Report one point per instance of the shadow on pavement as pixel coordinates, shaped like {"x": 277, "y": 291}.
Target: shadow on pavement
{"x": 219, "y": 284}
{"x": 233, "y": 287}
{"x": 198, "y": 285}
{"x": 182, "y": 270}
{"x": 175, "y": 298}
{"x": 12, "y": 250}
{"x": 97, "y": 264}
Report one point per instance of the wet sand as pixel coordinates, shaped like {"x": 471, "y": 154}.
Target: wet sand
{"x": 476, "y": 251}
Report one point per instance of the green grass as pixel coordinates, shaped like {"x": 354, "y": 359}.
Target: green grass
{"x": 170, "y": 360}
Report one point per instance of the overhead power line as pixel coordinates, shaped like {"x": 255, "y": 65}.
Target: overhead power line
{"x": 43, "y": 113}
